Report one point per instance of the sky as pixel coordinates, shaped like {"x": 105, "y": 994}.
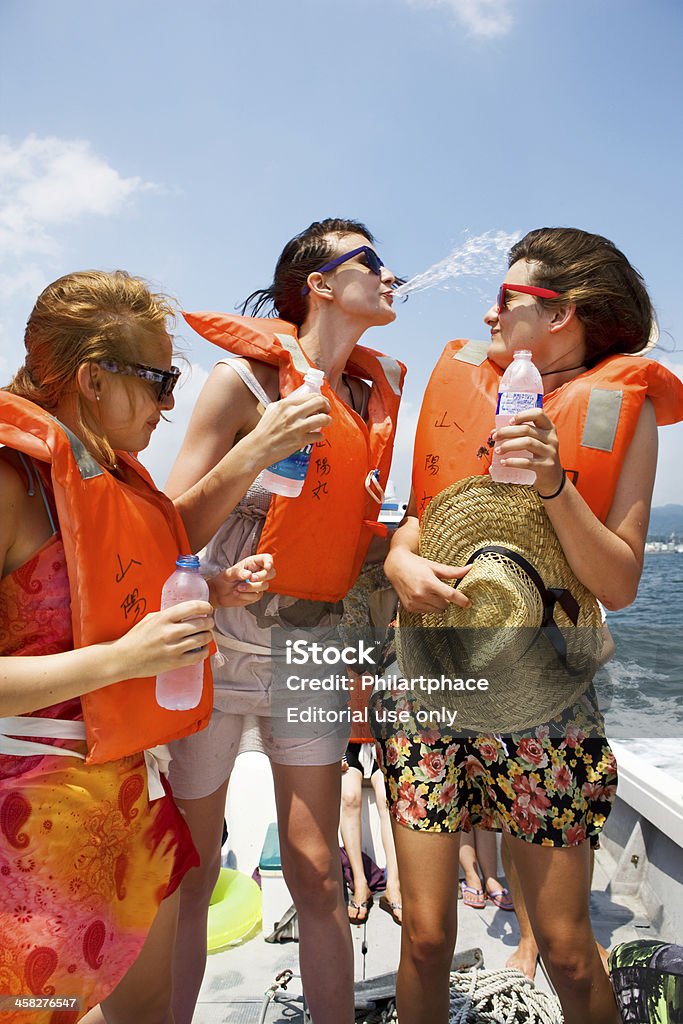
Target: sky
{"x": 188, "y": 143}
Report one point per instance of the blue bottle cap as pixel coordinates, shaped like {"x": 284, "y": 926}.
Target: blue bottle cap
{"x": 187, "y": 562}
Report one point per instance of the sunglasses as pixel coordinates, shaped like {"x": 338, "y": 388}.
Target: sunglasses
{"x": 526, "y": 289}
{"x": 372, "y": 261}
{"x": 165, "y": 380}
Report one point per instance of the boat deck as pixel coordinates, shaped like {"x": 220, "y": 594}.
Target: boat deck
{"x": 237, "y": 979}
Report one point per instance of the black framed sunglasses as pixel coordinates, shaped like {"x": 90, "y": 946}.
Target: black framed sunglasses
{"x": 372, "y": 262}
{"x": 165, "y": 380}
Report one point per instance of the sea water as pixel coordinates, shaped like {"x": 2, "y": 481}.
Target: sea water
{"x": 479, "y": 256}
{"x": 643, "y": 684}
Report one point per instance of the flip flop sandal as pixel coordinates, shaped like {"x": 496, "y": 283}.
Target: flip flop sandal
{"x": 364, "y": 906}
{"x": 473, "y": 897}
{"x": 502, "y": 899}
{"x": 391, "y": 908}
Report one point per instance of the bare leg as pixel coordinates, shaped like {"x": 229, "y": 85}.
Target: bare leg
{"x": 350, "y": 827}
{"x": 307, "y": 801}
{"x": 604, "y": 955}
{"x": 468, "y": 860}
{"x": 487, "y": 856}
{"x": 393, "y": 889}
{"x": 556, "y": 883}
{"x": 144, "y": 994}
{"x": 525, "y": 957}
{"x": 205, "y": 820}
{"x": 428, "y": 867}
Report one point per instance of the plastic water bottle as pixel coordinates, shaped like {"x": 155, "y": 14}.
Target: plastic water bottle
{"x": 287, "y": 476}
{"x": 521, "y": 388}
{"x": 181, "y": 688}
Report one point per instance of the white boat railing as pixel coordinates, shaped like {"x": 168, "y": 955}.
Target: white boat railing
{"x": 652, "y": 793}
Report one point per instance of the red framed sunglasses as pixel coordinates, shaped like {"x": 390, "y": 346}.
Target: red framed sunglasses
{"x": 526, "y": 289}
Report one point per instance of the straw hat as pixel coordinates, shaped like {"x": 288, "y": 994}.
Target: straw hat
{"x": 532, "y": 629}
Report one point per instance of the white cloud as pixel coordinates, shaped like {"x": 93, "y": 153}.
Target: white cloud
{"x": 487, "y": 18}
{"x": 46, "y": 183}
{"x": 28, "y": 279}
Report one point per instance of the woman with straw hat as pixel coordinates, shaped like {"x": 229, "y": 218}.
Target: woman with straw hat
{"x": 496, "y": 584}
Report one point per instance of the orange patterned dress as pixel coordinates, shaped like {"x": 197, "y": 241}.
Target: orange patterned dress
{"x": 85, "y": 857}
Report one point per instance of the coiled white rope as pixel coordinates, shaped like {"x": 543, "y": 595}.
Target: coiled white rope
{"x": 503, "y": 997}
{"x": 487, "y": 997}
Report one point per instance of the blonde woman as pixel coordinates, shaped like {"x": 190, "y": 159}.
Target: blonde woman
{"x": 92, "y": 854}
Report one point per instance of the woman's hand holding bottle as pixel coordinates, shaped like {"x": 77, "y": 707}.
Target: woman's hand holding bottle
{"x": 290, "y": 424}
{"x": 533, "y": 432}
{"x": 165, "y": 640}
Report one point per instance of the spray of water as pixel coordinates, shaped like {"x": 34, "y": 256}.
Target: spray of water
{"x": 480, "y": 256}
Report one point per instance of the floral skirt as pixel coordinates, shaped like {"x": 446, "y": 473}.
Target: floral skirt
{"x": 554, "y": 786}
{"x": 85, "y": 861}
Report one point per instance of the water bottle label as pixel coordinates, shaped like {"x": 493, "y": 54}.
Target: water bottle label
{"x": 512, "y": 402}
{"x": 295, "y": 466}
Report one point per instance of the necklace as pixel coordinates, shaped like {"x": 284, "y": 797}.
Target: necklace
{"x": 565, "y": 369}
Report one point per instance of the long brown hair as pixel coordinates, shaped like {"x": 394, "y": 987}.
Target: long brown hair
{"x": 611, "y": 299}
{"x": 83, "y": 317}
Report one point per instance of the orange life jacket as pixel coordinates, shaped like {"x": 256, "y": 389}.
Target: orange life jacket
{"x": 595, "y": 416}
{"x": 320, "y": 539}
{"x": 121, "y": 541}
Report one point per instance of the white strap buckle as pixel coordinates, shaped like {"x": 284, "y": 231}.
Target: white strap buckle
{"x": 157, "y": 760}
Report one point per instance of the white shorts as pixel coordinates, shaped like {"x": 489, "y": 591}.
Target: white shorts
{"x": 201, "y": 763}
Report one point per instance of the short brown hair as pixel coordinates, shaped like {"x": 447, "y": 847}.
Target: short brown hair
{"x": 611, "y": 299}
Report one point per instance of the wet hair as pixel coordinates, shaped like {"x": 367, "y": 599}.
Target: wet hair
{"x": 611, "y": 299}
{"x": 86, "y": 317}
{"x": 302, "y": 255}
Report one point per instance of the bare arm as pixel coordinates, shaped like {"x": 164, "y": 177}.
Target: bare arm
{"x": 160, "y": 641}
{"x": 609, "y": 648}
{"x": 607, "y": 558}
{"x": 227, "y": 445}
{"x": 418, "y": 581}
